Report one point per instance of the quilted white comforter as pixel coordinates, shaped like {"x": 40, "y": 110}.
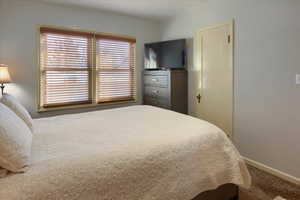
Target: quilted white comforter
{"x": 133, "y": 153}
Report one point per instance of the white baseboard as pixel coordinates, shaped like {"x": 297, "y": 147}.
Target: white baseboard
{"x": 273, "y": 171}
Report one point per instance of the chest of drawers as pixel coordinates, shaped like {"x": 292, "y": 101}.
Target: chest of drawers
{"x": 166, "y": 89}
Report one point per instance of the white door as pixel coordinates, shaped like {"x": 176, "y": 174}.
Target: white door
{"x": 214, "y": 59}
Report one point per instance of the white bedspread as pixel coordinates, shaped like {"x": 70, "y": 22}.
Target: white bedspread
{"x": 133, "y": 153}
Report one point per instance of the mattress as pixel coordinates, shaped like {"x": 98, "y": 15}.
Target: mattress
{"x": 132, "y": 153}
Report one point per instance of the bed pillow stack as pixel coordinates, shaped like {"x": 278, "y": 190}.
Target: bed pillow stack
{"x": 16, "y": 128}
{"x": 18, "y": 108}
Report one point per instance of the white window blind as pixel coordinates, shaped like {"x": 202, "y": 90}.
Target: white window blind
{"x": 69, "y": 75}
{"x": 115, "y": 69}
{"x": 66, "y": 66}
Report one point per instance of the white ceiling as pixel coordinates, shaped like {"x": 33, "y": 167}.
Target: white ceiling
{"x": 152, "y": 9}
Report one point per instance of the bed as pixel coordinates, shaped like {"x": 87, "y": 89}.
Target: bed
{"x": 132, "y": 153}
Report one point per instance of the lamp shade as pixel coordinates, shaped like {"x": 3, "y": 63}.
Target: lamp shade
{"x": 4, "y": 75}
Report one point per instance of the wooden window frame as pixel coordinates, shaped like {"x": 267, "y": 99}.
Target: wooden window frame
{"x": 130, "y": 70}
{"x": 93, "y": 77}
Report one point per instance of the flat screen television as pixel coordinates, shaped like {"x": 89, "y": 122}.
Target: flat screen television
{"x": 165, "y": 55}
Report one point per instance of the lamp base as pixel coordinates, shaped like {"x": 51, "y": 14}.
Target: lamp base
{"x": 2, "y": 88}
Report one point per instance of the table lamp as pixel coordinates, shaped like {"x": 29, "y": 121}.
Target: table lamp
{"x": 4, "y": 77}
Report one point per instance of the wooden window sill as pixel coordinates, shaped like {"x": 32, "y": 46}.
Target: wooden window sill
{"x": 91, "y": 105}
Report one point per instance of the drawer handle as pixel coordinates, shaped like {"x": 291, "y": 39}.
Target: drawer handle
{"x": 154, "y": 80}
{"x": 155, "y": 91}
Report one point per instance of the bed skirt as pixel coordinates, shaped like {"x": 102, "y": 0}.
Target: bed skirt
{"x": 224, "y": 192}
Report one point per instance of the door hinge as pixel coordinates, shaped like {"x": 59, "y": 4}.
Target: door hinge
{"x": 229, "y": 39}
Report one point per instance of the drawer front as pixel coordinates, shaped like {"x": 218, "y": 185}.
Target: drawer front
{"x": 157, "y": 81}
{"x": 155, "y": 92}
{"x": 163, "y": 103}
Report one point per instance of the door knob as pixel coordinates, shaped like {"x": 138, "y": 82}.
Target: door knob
{"x": 198, "y": 98}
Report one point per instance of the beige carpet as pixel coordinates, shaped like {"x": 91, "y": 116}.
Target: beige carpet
{"x": 268, "y": 187}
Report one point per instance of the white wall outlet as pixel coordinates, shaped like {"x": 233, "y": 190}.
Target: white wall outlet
{"x": 298, "y": 79}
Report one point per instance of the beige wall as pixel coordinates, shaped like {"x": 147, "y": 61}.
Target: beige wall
{"x": 267, "y": 57}
{"x": 18, "y": 49}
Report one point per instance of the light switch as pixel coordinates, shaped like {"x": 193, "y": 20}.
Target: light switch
{"x": 298, "y": 79}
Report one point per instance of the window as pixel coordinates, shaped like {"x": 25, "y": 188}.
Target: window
{"x": 85, "y": 68}
{"x": 66, "y": 68}
{"x": 115, "y": 70}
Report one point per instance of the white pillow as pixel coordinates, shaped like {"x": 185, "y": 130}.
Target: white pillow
{"x": 15, "y": 141}
{"x": 18, "y": 108}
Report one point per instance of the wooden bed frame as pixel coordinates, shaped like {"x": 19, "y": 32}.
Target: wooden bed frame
{"x": 224, "y": 192}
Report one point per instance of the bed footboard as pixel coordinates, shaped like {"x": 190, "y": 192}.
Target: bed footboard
{"x": 225, "y": 192}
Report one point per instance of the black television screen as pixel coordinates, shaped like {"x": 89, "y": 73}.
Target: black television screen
{"x": 165, "y": 55}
